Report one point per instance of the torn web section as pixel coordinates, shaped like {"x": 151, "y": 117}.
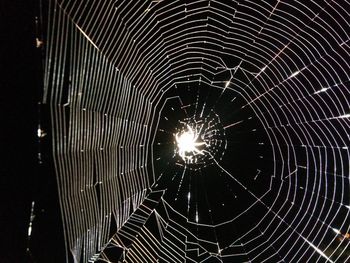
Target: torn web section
{"x": 99, "y": 138}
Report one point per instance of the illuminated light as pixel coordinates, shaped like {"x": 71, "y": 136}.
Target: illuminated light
{"x": 30, "y": 231}
{"x": 319, "y": 251}
{"x": 38, "y": 43}
{"x": 87, "y": 37}
{"x": 41, "y": 133}
{"x": 233, "y": 124}
{"x": 294, "y": 74}
{"x": 227, "y": 83}
{"x": 321, "y": 90}
{"x": 187, "y": 144}
{"x": 262, "y": 70}
{"x": 336, "y": 231}
{"x": 32, "y": 216}
{"x": 344, "y": 116}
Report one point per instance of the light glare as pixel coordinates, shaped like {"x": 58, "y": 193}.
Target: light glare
{"x": 187, "y": 144}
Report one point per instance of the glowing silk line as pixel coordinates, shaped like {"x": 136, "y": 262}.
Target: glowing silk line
{"x": 319, "y": 251}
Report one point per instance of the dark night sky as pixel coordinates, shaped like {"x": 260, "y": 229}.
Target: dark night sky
{"x": 22, "y": 180}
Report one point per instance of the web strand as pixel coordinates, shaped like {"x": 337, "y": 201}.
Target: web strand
{"x": 261, "y": 88}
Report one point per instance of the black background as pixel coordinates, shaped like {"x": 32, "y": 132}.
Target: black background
{"x": 23, "y": 179}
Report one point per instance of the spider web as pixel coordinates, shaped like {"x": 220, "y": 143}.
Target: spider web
{"x": 267, "y": 82}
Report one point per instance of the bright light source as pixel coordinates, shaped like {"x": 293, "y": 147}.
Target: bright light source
{"x": 187, "y": 144}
